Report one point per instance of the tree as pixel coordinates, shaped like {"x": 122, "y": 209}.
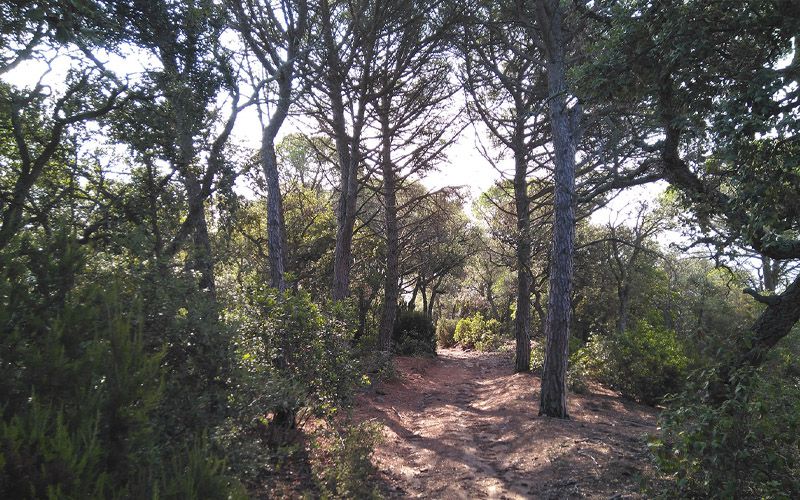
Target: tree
{"x": 277, "y": 44}
{"x": 339, "y": 81}
{"x": 564, "y": 129}
{"x": 722, "y": 127}
{"x": 412, "y": 92}
{"x": 505, "y": 84}
{"x": 193, "y": 70}
{"x": 37, "y": 121}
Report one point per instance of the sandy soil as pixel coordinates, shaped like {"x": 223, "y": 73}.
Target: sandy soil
{"x": 464, "y": 426}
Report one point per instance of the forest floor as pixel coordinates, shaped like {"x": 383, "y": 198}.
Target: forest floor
{"x": 463, "y": 425}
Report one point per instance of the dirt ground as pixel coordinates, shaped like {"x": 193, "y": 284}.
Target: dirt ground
{"x": 463, "y": 425}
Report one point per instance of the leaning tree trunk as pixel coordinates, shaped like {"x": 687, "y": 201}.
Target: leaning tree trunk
{"x": 276, "y": 226}
{"x": 522, "y": 321}
{"x": 392, "y": 276}
{"x": 554, "y": 374}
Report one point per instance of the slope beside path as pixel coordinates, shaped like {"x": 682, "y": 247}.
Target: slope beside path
{"x": 463, "y": 425}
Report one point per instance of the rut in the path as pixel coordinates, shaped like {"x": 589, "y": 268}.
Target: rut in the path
{"x": 463, "y": 426}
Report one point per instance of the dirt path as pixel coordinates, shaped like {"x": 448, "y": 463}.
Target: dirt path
{"x": 464, "y": 426}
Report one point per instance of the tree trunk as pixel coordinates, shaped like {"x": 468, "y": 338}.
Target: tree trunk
{"x": 412, "y": 302}
{"x": 200, "y": 258}
{"x": 392, "y": 276}
{"x": 554, "y": 374}
{"x": 522, "y": 322}
{"x": 276, "y": 226}
{"x": 771, "y": 273}
{"x": 346, "y": 221}
{"x": 347, "y": 149}
{"x": 623, "y": 293}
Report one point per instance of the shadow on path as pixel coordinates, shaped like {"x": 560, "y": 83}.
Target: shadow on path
{"x": 464, "y": 426}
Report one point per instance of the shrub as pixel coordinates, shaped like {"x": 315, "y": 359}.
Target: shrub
{"x": 293, "y": 357}
{"x": 345, "y": 470}
{"x": 474, "y": 332}
{"x": 644, "y": 363}
{"x": 747, "y": 446}
{"x": 81, "y": 414}
{"x": 414, "y": 333}
{"x": 445, "y": 332}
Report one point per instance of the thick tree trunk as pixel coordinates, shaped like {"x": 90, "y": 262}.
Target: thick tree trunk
{"x": 522, "y": 321}
{"x": 554, "y": 374}
{"x": 777, "y": 320}
{"x": 392, "y": 276}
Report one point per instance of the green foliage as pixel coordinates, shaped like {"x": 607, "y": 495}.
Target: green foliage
{"x": 445, "y": 332}
{"x": 295, "y": 361}
{"x": 83, "y": 422}
{"x": 475, "y": 332}
{"x": 347, "y": 470}
{"x": 645, "y": 362}
{"x": 196, "y": 473}
{"x": 747, "y": 445}
{"x": 537, "y": 355}
{"x": 414, "y": 334}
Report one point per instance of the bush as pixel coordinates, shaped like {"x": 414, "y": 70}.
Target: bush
{"x": 293, "y": 357}
{"x": 414, "y": 334}
{"x": 474, "y": 332}
{"x": 644, "y": 363}
{"x": 345, "y": 469}
{"x": 445, "y": 332}
{"x": 81, "y": 413}
{"x": 747, "y": 446}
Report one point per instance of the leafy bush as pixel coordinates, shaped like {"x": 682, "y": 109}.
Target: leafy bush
{"x": 294, "y": 359}
{"x": 414, "y": 333}
{"x": 537, "y": 355}
{"x": 445, "y": 332}
{"x": 645, "y": 362}
{"x": 346, "y": 469}
{"x": 475, "y": 332}
{"x": 747, "y": 446}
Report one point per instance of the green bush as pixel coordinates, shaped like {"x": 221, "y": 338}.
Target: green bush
{"x": 347, "y": 470}
{"x": 644, "y": 363}
{"x": 445, "y": 332}
{"x": 299, "y": 354}
{"x": 414, "y": 334}
{"x": 475, "y": 332}
{"x": 747, "y": 446}
{"x": 81, "y": 414}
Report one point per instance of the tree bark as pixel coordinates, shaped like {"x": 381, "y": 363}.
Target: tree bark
{"x": 623, "y": 294}
{"x": 553, "y": 401}
{"x": 348, "y": 148}
{"x": 276, "y": 226}
{"x": 522, "y": 321}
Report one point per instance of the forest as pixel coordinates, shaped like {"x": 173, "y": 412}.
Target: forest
{"x": 239, "y": 259}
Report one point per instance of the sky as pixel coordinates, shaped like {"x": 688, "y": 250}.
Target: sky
{"x": 466, "y": 167}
